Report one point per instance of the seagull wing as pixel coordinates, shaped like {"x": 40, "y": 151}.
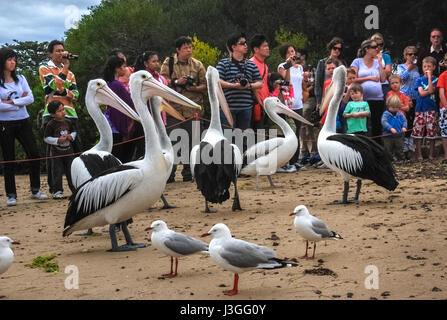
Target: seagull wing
{"x": 243, "y": 254}
{"x": 184, "y": 245}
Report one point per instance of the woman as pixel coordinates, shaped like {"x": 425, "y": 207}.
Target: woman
{"x": 386, "y": 61}
{"x": 409, "y": 73}
{"x": 335, "y": 48}
{"x": 371, "y": 73}
{"x": 292, "y": 71}
{"x": 147, "y": 61}
{"x": 122, "y": 126}
{"x": 15, "y": 95}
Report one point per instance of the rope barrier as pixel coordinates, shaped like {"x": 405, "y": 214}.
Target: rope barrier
{"x": 168, "y": 127}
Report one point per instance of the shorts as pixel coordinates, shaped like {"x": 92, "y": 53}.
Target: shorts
{"x": 424, "y": 125}
{"x": 443, "y": 122}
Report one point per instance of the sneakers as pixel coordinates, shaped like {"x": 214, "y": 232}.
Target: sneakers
{"x": 286, "y": 169}
{"x": 11, "y": 201}
{"x": 39, "y": 196}
{"x": 59, "y": 195}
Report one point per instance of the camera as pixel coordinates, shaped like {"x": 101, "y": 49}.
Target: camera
{"x": 296, "y": 58}
{"x": 282, "y": 82}
{"x": 242, "y": 80}
{"x": 189, "y": 80}
{"x": 71, "y": 56}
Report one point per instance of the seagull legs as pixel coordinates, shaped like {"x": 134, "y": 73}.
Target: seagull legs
{"x": 305, "y": 255}
{"x": 236, "y": 203}
{"x": 313, "y": 255}
{"x": 166, "y": 205}
{"x": 172, "y": 274}
{"x": 233, "y": 291}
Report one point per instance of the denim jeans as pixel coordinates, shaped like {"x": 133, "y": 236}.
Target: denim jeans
{"x": 22, "y": 131}
{"x": 241, "y": 119}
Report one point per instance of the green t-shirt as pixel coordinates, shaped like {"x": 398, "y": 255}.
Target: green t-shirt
{"x": 354, "y": 124}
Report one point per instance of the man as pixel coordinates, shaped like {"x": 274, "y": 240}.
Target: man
{"x": 186, "y": 75}
{"x": 238, "y": 78}
{"x": 59, "y": 83}
{"x": 437, "y": 51}
{"x": 260, "y": 47}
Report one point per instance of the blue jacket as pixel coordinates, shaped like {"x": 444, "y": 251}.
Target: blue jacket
{"x": 389, "y": 121}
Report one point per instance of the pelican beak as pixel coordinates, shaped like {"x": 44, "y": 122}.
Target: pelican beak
{"x": 15, "y": 242}
{"x": 285, "y": 110}
{"x": 205, "y": 235}
{"x": 148, "y": 229}
{"x": 152, "y": 87}
{"x": 224, "y": 105}
{"x": 106, "y": 96}
{"x": 165, "y": 106}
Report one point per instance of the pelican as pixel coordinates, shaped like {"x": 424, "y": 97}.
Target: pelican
{"x": 352, "y": 155}
{"x": 117, "y": 194}
{"x": 265, "y": 157}
{"x": 215, "y": 162}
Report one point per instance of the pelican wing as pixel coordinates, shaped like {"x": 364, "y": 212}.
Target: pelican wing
{"x": 90, "y": 164}
{"x": 101, "y": 191}
{"x": 261, "y": 149}
{"x": 243, "y": 254}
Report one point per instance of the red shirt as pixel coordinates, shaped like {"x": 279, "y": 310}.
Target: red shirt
{"x": 403, "y": 99}
{"x": 327, "y": 83}
{"x": 263, "y": 71}
{"x": 442, "y": 83}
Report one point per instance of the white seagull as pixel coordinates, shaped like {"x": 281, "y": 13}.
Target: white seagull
{"x": 239, "y": 256}
{"x": 117, "y": 194}
{"x": 215, "y": 162}
{"x": 265, "y": 157}
{"x": 311, "y": 228}
{"x": 348, "y": 154}
{"x": 174, "y": 244}
{"x": 6, "y": 254}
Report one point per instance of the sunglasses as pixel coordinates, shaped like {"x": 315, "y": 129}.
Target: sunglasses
{"x": 436, "y": 36}
{"x": 380, "y": 44}
{"x": 411, "y": 54}
{"x": 337, "y": 48}
{"x": 242, "y": 43}
{"x": 373, "y": 47}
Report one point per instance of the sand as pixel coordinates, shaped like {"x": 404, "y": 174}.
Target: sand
{"x": 401, "y": 235}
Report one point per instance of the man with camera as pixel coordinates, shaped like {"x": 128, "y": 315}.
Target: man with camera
{"x": 239, "y": 77}
{"x": 59, "y": 83}
{"x": 186, "y": 75}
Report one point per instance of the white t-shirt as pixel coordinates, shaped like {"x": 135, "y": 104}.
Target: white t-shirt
{"x": 296, "y": 80}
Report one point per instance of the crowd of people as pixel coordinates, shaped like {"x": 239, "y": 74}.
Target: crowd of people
{"x": 398, "y": 107}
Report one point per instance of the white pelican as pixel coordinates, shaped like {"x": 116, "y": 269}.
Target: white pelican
{"x": 174, "y": 244}
{"x": 117, "y": 194}
{"x": 239, "y": 256}
{"x": 352, "y": 155}
{"x": 265, "y": 157}
{"x": 215, "y": 162}
{"x": 311, "y": 228}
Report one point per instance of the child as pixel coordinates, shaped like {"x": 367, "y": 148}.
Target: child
{"x": 356, "y": 111}
{"x": 424, "y": 122}
{"x": 394, "y": 124}
{"x": 59, "y": 135}
{"x": 395, "y": 81}
{"x": 442, "y": 85}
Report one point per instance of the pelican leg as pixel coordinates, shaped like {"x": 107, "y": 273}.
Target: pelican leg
{"x": 257, "y": 183}
{"x": 207, "y": 208}
{"x": 129, "y": 241}
{"x": 88, "y": 233}
{"x": 236, "y": 202}
{"x": 271, "y": 182}
{"x": 357, "y": 192}
{"x": 166, "y": 205}
{"x": 233, "y": 291}
{"x": 345, "y": 195}
{"x": 115, "y": 247}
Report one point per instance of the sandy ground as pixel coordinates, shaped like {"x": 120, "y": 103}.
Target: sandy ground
{"x": 402, "y": 233}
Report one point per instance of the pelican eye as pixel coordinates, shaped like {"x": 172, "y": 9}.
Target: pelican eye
{"x": 98, "y": 84}
{"x": 144, "y": 76}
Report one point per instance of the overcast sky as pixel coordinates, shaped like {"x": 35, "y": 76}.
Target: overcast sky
{"x": 39, "y": 20}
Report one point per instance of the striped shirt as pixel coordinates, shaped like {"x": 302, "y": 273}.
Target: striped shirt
{"x": 229, "y": 71}
{"x": 58, "y": 86}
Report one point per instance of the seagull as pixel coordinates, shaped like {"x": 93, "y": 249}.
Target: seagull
{"x": 118, "y": 194}
{"x": 239, "y": 256}
{"x": 174, "y": 244}
{"x": 265, "y": 157}
{"x": 215, "y": 162}
{"x": 311, "y": 228}
{"x": 6, "y": 254}
{"x": 348, "y": 154}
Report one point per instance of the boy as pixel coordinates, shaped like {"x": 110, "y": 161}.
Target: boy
{"x": 59, "y": 135}
{"x": 356, "y": 111}
{"x": 394, "y": 125}
{"x": 424, "y": 121}
{"x": 442, "y": 85}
